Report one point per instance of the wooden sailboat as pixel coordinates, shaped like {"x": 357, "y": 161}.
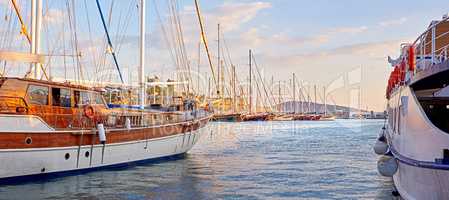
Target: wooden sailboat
{"x": 49, "y": 127}
{"x": 250, "y": 116}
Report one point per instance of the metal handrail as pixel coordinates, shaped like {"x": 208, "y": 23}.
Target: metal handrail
{"x": 430, "y": 29}
{"x": 420, "y": 45}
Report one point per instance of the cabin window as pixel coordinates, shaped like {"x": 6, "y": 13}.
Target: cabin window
{"x": 85, "y": 98}
{"x": 77, "y": 97}
{"x": 61, "y": 97}
{"x": 98, "y": 99}
{"x": 81, "y": 98}
{"x": 37, "y": 94}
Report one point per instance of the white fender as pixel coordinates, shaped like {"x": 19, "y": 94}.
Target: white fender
{"x": 380, "y": 147}
{"x": 128, "y": 123}
{"x": 101, "y": 133}
{"x": 387, "y": 166}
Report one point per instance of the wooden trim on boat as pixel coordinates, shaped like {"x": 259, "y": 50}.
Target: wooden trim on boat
{"x": 82, "y": 137}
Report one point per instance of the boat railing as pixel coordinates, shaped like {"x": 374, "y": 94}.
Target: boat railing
{"x": 119, "y": 120}
{"x": 426, "y": 58}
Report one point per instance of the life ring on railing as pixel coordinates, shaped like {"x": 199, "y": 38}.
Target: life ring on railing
{"x": 89, "y": 111}
{"x": 411, "y": 58}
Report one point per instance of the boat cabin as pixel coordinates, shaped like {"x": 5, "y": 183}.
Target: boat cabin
{"x": 60, "y": 105}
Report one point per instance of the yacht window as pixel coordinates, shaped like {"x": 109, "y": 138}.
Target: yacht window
{"x": 61, "y": 97}
{"x": 85, "y": 98}
{"x": 82, "y": 98}
{"x": 76, "y": 95}
{"x": 37, "y": 94}
{"x": 98, "y": 99}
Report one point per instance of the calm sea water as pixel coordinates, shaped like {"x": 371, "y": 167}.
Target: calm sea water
{"x": 256, "y": 160}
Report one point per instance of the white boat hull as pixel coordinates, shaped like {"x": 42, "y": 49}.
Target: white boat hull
{"x": 417, "y": 145}
{"x": 421, "y": 183}
{"x": 42, "y": 161}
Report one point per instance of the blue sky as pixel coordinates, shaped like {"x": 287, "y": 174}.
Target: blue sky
{"x": 320, "y": 40}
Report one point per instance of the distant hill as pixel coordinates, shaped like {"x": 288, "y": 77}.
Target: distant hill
{"x": 289, "y": 107}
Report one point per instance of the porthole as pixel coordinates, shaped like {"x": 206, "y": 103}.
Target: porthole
{"x": 67, "y": 156}
{"x": 28, "y": 140}
{"x": 87, "y": 154}
{"x": 43, "y": 170}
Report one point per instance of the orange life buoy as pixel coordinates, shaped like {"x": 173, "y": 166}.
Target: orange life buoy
{"x": 411, "y": 58}
{"x": 89, "y": 111}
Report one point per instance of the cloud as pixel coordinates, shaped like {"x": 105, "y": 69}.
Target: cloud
{"x": 393, "y": 22}
{"x": 230, "y": 15}
{"x": 233, "y": 15}
{"x": 373, "y": 51}
{"x": 331, "y": 33}
{"x": 350, "y": 30}
{"x": 255, "y": 38}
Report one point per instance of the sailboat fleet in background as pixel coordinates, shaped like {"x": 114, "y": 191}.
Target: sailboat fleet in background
{"x": 262, "y": 103}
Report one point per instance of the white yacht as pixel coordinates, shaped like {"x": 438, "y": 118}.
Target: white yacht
{"x": 414, "y": 144}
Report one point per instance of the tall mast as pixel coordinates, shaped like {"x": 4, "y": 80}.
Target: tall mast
{"x": 36, "y": 24}
{"x": 234, "y": 93}
{"x": 294, "y": 94}
{"x": 250, "y": 84}
{"x": 208, "y": 88}
{"x": 203, "y": 37}
{"x": 37, "y": 68}
{"x": 142, "y": 54}
{"x": 198, "y": 68}
{"x": 314, "y": 103}
{"x": 279, "y": 96}
{"x": 33, "y": 34}
{"x": 325, "y": 105}
{"x": 218, "y": 62}
{"x": 309, "y": 107}
{"x": 302, "y": 100}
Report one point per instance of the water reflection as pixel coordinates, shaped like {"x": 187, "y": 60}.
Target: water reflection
{"x": 260, "y": 160}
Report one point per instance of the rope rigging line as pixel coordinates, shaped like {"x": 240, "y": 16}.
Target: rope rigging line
{"x": 203, "y": 36}
{"x": 164, "y": 33}
{"x": 109, "y": 40}
{"x": 6, "y": 40}
{"x": 71, "y": 42}
{"x": 23, "y": 30}
{"x": 263, "y": 84}
{"x": 94, "y": 56}
{"x": 182, "y": 46}
{"x": 124, "y": 27}
{"x": 241, "y": 89}
{"x": 183, "y": 64}
{"x": 301, "y": 89}
{"x": 178, "y": 51}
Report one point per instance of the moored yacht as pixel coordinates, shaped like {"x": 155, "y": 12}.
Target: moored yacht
{"x": 51, "y": 128}
{"x": 414, "y": 144}
{"x": 48, "y": 127}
